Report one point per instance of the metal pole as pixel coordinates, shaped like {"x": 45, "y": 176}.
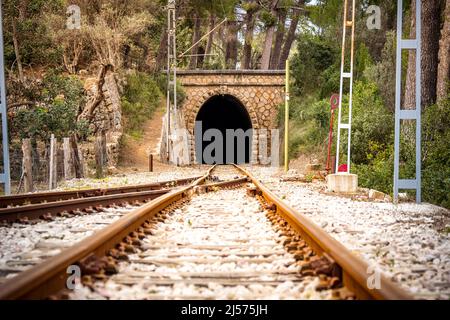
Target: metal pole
{"x": 410, "y": 115}
{"x": 346, "y": 75}
{"x": 171, "y": 75}
{"x": 5, "y": 177}
{"x": 286, "y": 121}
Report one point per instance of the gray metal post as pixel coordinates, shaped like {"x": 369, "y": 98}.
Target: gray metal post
{"x": 403, "y": 44}
{"x": 5, "y": 177}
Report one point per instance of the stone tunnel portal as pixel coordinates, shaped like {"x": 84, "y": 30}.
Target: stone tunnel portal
{"x": 223, "y": 112}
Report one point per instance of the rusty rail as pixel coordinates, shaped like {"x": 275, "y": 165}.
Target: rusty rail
{"x": 41, "y": 210}
{"x": 34, "y": 198}
{"x": 50, "y": 276}
{"x": 354, "y": 271}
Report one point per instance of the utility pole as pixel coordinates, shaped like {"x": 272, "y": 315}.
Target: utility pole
{"x": 5, "y": 177}
{"x": 171, "y": 72}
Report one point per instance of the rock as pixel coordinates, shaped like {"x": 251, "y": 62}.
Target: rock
{"x": 312, "y": 167}
{"x": 112, "y": 170}
{"x": 376, "y": 195}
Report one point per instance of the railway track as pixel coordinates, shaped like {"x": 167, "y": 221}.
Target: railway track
{"x": 26, "y": 207}
{"x": 213, "y": 239}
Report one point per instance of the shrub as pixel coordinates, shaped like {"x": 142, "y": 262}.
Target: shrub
{"x": 378, "y": 173}
{"x": 436, "y": 154}
{"x": 140, "y": 99}
{"x": 314, "y": 56}
{"x": 161, "y": 81}
{"x": 56, "y": 110}
{"x": 372, "y": 123}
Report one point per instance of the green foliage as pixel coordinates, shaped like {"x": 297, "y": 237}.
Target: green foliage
{"x": 141, "y": 98}
{"x": 315, "y": 55}
{"x": 383, "y": 73}
{"x": 161, "y": 81}
{"x": 363, "y": 60}
{"x": 436, "y": 154}
{"x": 377, "y": 173}
{"x": 372, "y": 123}
{"x": 35, "y": 43}
{"x": 60, "y": 98}
{"x": 309, "y": 125}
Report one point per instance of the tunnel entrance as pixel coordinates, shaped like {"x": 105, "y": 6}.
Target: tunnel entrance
{"x": 223, "y": 112}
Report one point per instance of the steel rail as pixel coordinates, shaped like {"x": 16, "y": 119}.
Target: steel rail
{"x": 34, "y": 198}
{"x": 50, "y": 276}
{"x": 36, "y": 211}
{"x": 354, "y": 270}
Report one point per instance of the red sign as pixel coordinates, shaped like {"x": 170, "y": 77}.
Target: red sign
{"x": 334, "y": 102}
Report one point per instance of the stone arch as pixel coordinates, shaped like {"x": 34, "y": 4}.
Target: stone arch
{"x": 260, "y": 92}
{"x": 197, "y": 104}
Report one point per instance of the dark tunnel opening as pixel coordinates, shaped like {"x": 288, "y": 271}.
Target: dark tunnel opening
{"x": 223, "y": 112}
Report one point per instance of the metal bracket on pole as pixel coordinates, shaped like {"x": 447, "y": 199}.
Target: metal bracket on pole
{"x": 402, "y": 44}
{"x": 346, "y": 75}
{"x": 5, "y": 177}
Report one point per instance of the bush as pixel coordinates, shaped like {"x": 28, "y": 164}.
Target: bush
{"x": 308, "y": 126}
{"x": 140, "y": 100}
{"x": 56, "y": 110}
{"x": 372, "y": 123}
{"x": 436, "y": 154}
{"x": 378, "y": 173}
{"x": 314, "y": 56}
{"x": 161, "y": 81}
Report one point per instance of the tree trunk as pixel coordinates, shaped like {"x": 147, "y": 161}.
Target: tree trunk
{"x": 289, "y": 38}
{"x": 195, "y": 38}
{"x": 209, "y": 43}
{"x": 231, "y": 51}
{"x": 17, "y": 51}
{"x": 265, "y": 60}
{"x": 443, "y": 77}
{"x": 430, "y": 50}
{"x": 410, "y": 85}
{"x": 88, "y": 111}
{"x": 431, "y": 16}
{"x": 276, "y": 51}
{"x": 126, "y": 56}
{"x": 162, "y": 52}
{"x": 267, "y": 49}
{"x": 249, "y": 29}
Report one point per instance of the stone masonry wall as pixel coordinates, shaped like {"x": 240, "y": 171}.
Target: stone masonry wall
{"x": 260, "y": 92}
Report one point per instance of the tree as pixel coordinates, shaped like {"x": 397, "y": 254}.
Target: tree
{"x": 430, "y": 50}
{"x": 231, "y": 44}
{"x": 275, "y": 55}
{"x": 443, "y": 77}
{"x": 25, "y": 31}
{"x": 250, "y": 18}
{"x": 270, "y": 18}
{"x": 295, "y": 18}
{"x": 107, "y": 36}
{"x": 195, "y": 38}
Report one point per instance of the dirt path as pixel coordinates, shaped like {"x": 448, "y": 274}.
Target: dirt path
{"x": 135, "y": 153}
